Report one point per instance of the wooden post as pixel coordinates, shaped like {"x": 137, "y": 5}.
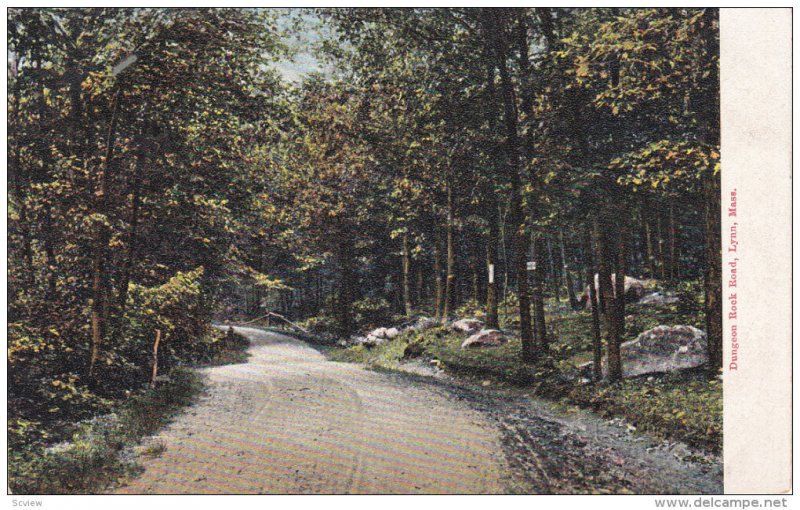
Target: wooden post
{"x": 155, "y": 359}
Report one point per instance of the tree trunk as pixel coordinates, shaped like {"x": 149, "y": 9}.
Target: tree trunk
{"x": 47, "y": 163}
{"x": 708, "y": 105}
{"x": 619, "y": 283}
{"x": 597, "y": 344}
{"x": 555, "y": 277}
{"x": 420, "y": 284}
{"x": 122, "y": 292}
{"x": 99, "y": 307}
{"x": 154, "y": 373}
{"x": 606, "y": 261}
{"x": 651, "y": 257}
{"x": 449, "y": 289}
{"x": 24, "y": 221}
{"x": 573, "y": 299}
{"x": 660, "y": 234}
{"x": 50, "y": 256}
{"x": 407, "y": 305}
{"x": 437, "y": 269}
{"x": 492, "y": 320}
{"x": 346, "y": 288}
{"x": 672, "y": 234}
{"x": 519, "y": 237}
{"x": 539, "y": 321}
{"x": 476, "y": 283}
{"x": 491, "y": 268}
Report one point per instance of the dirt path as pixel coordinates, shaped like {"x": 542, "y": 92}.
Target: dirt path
{"x": 290, "y": 421}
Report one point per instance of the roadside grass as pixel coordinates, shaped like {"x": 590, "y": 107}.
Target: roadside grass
{"x": 97, "y": 456}
{"x": 684, "y": 406}
{"x": 154, "y": 450}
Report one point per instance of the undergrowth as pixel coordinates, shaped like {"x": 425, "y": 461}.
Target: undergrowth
{"x": 93, "y": 457}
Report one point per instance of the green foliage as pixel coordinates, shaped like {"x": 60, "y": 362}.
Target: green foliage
{"x": 90, "y": 460}
{"x": 471, "y": 308}
{"x": 687, "y": 407}
{"x": 321, "y": 324}
{"x": 176, "y": 308}
{"x": 668, "y": 165}
{"x": 147, "y": 200}
{"x": 372, "y": 311}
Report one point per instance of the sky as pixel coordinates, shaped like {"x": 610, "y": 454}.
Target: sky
{"x": 302, "y": 42}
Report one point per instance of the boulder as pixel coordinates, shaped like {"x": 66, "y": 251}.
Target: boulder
{"x": 485, "y": 338}
{"x": 424, "y": 323}
{"x": 657, "y": 298}
{"x": 378, "y": 333}
{"x": 468, "y": 326}
{"x": 371, "y": 340}
{"x": 634, "y": 290}
{"x": 376, "y": 337}
{"x": 664, "y": 349}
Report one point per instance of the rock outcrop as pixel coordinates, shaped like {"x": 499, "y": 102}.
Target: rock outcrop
{"x": 468, "y": 326}
{"x": 661, "y": 349}
{"x": 657, "y": 298}
{"x": 485, "y": 338}
{"x": 664, "y": 349}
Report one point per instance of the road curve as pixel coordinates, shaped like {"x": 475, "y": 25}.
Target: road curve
{"x": 291, "y": 422}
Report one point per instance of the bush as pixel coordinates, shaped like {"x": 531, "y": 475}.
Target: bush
{"x": 473, "y": 309}
{"x": 683, "y": 405}
{"x": 321, "y": 324}
{"x": 49, "y": 391}
{"x": 372, "y": 311}
{"x": 176, "y": 308}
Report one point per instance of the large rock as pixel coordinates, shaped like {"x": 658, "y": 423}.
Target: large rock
{"x": 378, "y": 336}
{"x": 421, "y": 323}
{"x": 485, "y": 338}
{"x": 378, "y": 333}
{"x": 657, "y": 298}
{"x": 634, "y": 290}
{"x": 664, "y": 349}
{"x": 424, "y": 323}
{"x": 468, "y": 326}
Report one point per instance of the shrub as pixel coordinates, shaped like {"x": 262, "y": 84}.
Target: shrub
{"x": 372, "y": 311}
{"x": 177, "y": 309}
{"x": 471, "y": 308}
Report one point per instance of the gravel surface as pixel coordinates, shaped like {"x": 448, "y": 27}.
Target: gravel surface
{"x": 290, "y": 421}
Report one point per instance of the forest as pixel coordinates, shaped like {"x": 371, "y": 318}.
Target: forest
{"x": 443, "y": 163}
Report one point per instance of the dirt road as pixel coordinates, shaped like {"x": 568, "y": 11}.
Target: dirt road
{"x": 290, "y": 421}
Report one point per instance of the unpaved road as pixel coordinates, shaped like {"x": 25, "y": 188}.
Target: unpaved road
{"x": 290, "y": 421}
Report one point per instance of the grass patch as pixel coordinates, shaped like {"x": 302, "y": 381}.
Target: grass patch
{"x": 499, "y": 363}
{"x": 154, "y": 450}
